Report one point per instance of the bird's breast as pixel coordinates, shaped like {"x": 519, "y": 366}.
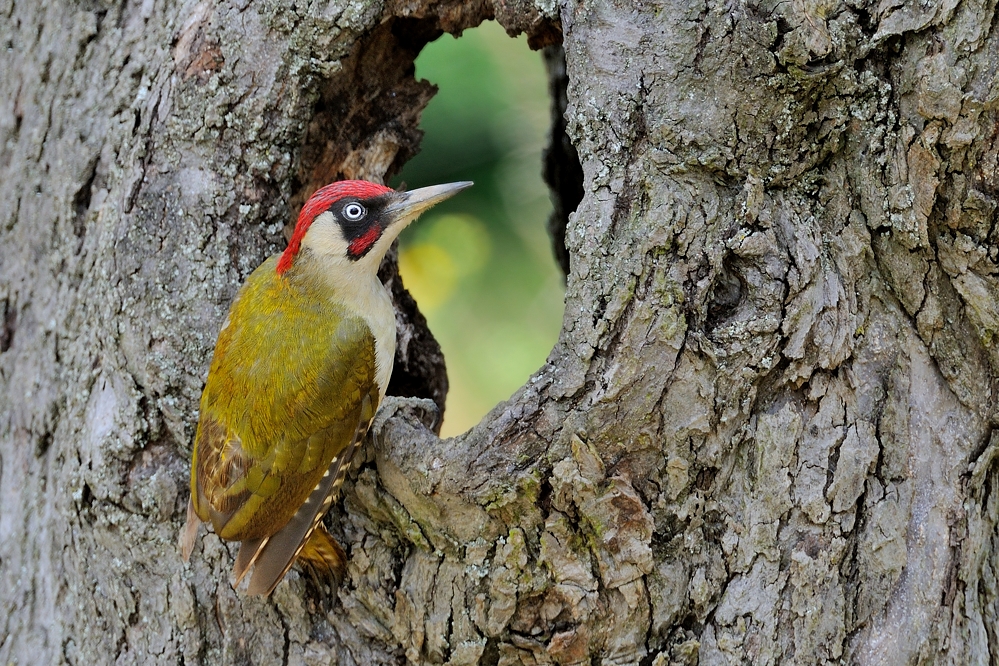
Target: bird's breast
{"x": 371, "y": 301}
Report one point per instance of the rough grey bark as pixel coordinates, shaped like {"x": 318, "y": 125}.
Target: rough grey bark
{"x": 767, "y": 433}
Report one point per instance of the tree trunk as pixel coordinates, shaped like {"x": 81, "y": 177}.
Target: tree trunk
{"x": 767, "y": 433}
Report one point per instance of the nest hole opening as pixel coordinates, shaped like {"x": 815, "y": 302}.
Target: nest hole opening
{"x": 481, "y": 266}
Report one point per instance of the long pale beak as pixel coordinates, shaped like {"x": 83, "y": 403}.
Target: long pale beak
{"x": 408, "y": 205}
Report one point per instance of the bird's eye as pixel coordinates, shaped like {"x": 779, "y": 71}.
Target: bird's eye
{"x": 354, "y": 211}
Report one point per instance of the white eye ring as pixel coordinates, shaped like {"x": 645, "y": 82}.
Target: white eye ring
{"x": 354, "y": 211}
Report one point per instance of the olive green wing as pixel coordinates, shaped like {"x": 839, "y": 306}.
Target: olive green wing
{"x": 271, "y": 557}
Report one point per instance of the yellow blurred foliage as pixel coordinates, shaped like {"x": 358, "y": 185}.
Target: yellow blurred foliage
{"x": 429, "y": 274}
{"x": 453, "y": 246}
{"x": 480, "y": 265}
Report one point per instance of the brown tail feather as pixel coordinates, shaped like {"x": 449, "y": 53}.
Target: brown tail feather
{"x": 189, "y": 532}
{"x": 249, "y": 550}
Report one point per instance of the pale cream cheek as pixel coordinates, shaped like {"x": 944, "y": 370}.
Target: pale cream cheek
{"x": 324, "y": 238}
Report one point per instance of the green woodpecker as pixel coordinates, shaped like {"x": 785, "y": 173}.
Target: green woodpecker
{"x": 300, "y": 367}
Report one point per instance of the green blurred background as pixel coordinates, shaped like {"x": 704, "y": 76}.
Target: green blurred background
{"x": 481, "y": 264}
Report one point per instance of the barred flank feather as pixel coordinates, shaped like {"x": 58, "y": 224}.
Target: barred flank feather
{"x": 323, "y": 557}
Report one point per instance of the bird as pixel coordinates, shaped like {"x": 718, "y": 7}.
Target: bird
{"x": 300, "y": 366}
